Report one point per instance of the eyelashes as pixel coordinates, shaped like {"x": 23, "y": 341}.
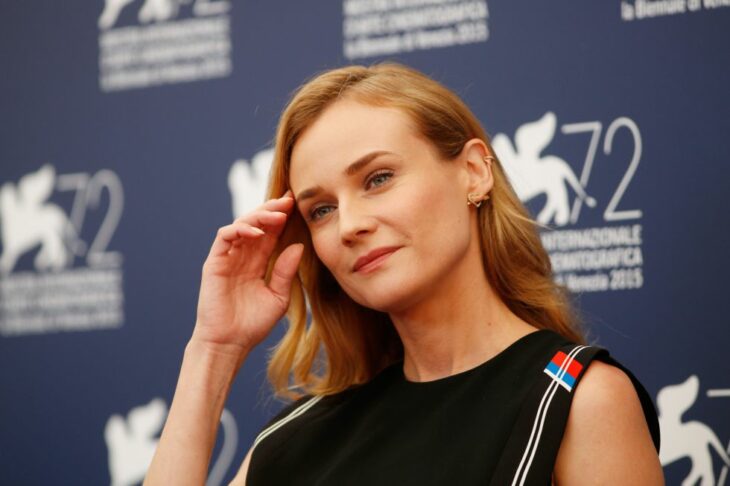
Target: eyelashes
{"x": 381, "y": 175}
{"x": 319, "y": 213}
{"x": 374, "y": 181}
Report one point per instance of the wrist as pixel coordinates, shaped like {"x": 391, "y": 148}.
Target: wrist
{"x": 217, "y": 357}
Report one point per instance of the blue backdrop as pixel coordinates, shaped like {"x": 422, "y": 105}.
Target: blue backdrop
{"x": 130, "y": 130}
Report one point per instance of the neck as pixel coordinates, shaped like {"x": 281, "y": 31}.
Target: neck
{"x": 463, "y": 325}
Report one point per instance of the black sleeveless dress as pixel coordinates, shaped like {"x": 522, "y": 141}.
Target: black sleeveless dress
{"x": 499, "y": 423}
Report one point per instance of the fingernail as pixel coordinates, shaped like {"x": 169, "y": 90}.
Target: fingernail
{"x": 258, "y": 230}
{"x": 288, "y": 193}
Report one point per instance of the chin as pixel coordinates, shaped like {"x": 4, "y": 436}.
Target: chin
{"x": 386, "y": 297}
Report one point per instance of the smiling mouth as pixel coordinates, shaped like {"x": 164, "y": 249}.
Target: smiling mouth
{"x": 373, "y": 260}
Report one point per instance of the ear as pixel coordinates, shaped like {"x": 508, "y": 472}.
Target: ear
{"x": 478, "y": 170}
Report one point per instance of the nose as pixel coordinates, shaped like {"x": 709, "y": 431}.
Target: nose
{"x": 354, "y": 222}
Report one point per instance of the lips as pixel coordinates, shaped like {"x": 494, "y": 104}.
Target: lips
{"x": 376, "y": 254}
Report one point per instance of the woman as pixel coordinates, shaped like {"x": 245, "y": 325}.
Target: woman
{"x": 435, "y": 320}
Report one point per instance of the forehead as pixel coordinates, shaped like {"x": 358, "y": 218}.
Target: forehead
{"x": 345, "y": 131}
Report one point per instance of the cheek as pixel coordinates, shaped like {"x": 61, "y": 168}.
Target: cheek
{"x": 326, "y": 249}
{"x": 442, "y": 214}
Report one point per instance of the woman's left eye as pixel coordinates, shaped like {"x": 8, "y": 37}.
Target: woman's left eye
{"x": 378, "y": 179}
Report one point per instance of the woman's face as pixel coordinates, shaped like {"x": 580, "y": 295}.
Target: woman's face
{"x": 388, "y": 217}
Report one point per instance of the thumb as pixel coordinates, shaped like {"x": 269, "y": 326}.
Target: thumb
{"x": 284, "y": 270}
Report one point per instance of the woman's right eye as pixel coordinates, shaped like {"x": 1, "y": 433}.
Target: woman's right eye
{"x": 320, "y": 212}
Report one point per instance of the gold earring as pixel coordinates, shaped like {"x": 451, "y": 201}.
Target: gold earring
{"x": 474, "y": 199}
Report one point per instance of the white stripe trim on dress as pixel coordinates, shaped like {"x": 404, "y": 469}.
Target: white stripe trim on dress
{"x": 285, "y": 420}
{"x": 550, "y": 387}
{"x": 544, "y": 415}
{"x": 540, "y": 418}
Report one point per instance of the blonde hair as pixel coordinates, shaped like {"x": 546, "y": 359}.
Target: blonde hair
{"x": 345, "y": 343}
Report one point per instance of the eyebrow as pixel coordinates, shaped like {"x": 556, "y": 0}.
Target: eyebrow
{"x": 351, "y": 169}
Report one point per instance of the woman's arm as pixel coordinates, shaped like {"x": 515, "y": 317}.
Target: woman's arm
{"x": 188, "y": 438}
{"x": 607, "y": 440}
{"x": 237, "y": 309}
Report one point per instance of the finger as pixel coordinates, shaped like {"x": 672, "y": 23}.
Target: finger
{"x": 261, "y": 218}
{"x": 237, "y": 231}
{"x": 228, "y": 234}
{"x": 283, "y": 203}
{"x": 284, "y": 270}
{"x": 272, "y": 223}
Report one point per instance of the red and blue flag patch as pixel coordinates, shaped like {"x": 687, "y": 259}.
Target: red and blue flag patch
{"x": 565, "y": 373}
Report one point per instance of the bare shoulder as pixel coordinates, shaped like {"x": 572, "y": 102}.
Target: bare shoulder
{"x": 607, "y": 440}
{"x": 604, "y": 386}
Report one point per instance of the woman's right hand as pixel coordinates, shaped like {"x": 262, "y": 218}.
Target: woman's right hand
{"x": 237, "y": 309}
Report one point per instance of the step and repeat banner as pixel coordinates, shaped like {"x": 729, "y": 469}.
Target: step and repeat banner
{"x": 130, "y": 130}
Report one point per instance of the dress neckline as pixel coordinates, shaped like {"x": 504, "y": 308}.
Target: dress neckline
{"x": 494, "y": 360}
